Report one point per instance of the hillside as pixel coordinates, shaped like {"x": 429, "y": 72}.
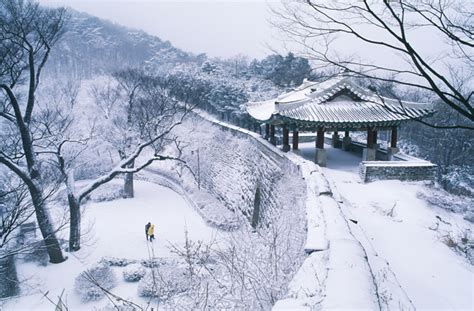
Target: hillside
{"x": 93, "y": 46}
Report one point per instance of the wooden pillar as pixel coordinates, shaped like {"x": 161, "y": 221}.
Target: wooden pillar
{"x": 259, "y": 128}
{"x": 267, "y": 130}
{"x": 286, "y": 138}
{"x": 370, "y": 138}
{"x": 393, "y": 138}
{"x": 370, "y": 153}
{"x": 295, "y": 139}
{"x": 272, "y": 135}
{"x": 346, "y": 134}
{"x": 335, "y": 140}
{"x": 320, "y": 138}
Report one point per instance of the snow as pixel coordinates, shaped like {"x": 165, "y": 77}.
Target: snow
{"x": 164, "y": 208}
{"x": 393, "y": 257}
{"x": 261, "y": 110}
{"x": 407, "y": 238}
{"x": 399, "y": 163}
{"x": 118, "y": 231}
{"x": 432, "y": 275}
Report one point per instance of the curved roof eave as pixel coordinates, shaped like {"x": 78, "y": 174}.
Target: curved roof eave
{"x": 262, "y": 111}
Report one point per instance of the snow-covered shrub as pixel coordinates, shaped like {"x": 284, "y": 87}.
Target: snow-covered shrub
{"x": 462, "y": 243}
{"x": 163, "y": 282}
{"x": 90, "y": 284}
{"x": 124, "y": 306}
{"x": 133, "y": 273}
{"x": 104, "y": 193}
{"x": 116, "y": 262}
{"x": 459, "y": 180}
{"x": 107, "y": 192}
{"x": 443, "y": 199}
{"x": 156, "y": 262}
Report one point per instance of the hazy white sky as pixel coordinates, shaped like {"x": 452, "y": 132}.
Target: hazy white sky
{"x": 217, "y": 27}
{"x": 225, "y": 28}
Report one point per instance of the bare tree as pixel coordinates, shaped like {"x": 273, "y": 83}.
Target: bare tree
{"x": 117, "y": 99}
{"x": 154, "y": 117}
{"x": 391, "y": 28}
{"x": 15, "y": 209}
{"x": 27, "y": 35}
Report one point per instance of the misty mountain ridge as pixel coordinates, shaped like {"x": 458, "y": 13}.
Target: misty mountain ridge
{"x": 93, "y": 46}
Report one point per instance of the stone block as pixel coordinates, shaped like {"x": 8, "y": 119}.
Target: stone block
{"x": 321, "y": 157}
{"x": 273, "y": 140}
{"x": 391, "y": 152}
{"x": 369, "y": 154}
{"x": 346, "y": 143}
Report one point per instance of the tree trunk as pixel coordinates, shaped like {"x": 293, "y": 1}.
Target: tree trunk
{"x": 75, "y": 223}
{"x": 128, "y": 184}
{"x": 46, "y": 227}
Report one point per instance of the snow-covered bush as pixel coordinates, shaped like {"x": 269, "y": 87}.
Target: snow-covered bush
{"x": 462, "y": 243}
{"x": 121, "y": 306}
{"x": 116, "y": 262}
{"x": 91, "y": 284}
{"x": 156, "y": 262}
{"x": 107, "y": 192}
{"x": 163, "y": 282}
{"x": 445, "y": 200}
{"x": 459, "y": 180}
{"x": 133, "y": 273}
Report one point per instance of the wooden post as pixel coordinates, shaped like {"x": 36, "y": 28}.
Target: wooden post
{"x": 346, "y": 141}
{"x": 370, "y": 138}
{"x": 295, "y": 139}
{"x": 286, "y": 138}
{"x": 272, "y": 135}
{"x": 267, "y": 130}
{"x": 320, "y": 138}
{"x": 335, "y": 140}
{"x": 393, "y": 138}
{"x": 375, "y": 136}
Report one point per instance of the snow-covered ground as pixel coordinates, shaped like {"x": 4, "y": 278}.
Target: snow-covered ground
{"x": 117, "y": 231}
{"x": 396, "y": 226}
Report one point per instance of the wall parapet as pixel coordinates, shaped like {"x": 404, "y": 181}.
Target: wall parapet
{"x": 399, "y": 170}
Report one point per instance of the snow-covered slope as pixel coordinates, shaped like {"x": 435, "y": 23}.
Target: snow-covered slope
{"x": 414, "y": 251}
{"x": 94, "y": 46}
{"x": 115, "y": 229}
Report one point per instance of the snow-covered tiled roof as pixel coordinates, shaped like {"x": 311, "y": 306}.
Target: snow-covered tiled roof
{"x": 337, "y": 102}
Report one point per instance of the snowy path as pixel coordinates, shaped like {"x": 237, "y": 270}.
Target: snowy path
{"x": 431, "y": 274}
{"x": 118, "y": 226}
{"x": 118, "y": 230}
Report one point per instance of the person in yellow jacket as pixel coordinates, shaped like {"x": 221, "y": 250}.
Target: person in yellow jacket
{"x": 151, "y": 232}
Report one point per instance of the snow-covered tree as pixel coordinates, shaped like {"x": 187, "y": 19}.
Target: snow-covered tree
{"x": 146, "y": 125}
{"x": 27, "y": 35}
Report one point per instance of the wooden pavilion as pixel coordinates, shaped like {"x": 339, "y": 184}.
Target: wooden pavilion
{"x": 335, "y": 105}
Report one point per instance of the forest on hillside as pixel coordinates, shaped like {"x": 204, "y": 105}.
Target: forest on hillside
{"x": 223, "y": 86}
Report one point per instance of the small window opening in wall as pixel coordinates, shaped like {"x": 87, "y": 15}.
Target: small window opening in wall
{"x": 256, "y": 208}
